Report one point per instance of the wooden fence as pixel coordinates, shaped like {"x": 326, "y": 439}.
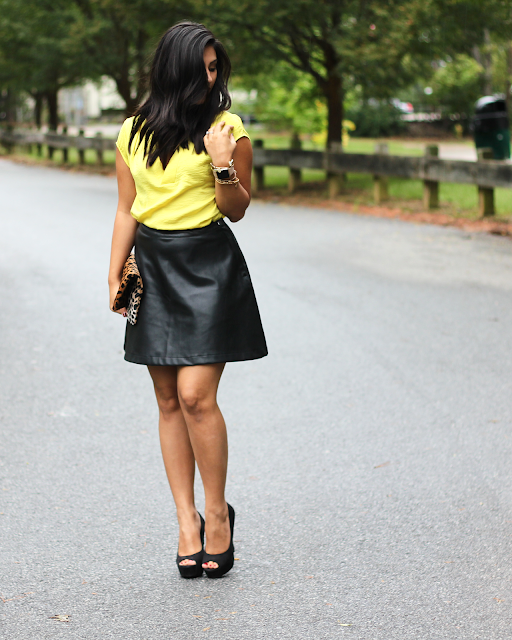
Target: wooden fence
{"x": 11, "y": 139}
{"x": 485, "y": 174}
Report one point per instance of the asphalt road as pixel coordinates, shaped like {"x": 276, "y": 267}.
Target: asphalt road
{"x": 370, "y": 451}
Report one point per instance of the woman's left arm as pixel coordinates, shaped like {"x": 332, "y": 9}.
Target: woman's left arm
{"x": 232, "y": 199}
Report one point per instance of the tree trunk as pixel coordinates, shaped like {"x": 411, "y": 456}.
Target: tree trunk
{"x": 509, "y": 79}
{"x": 141, "y": 58}
{"x": 487, "y": 62}
{"x": 53, "y": 109}
{"x": 334, "y": 95}
{"x": 38, "y": 109}
{"x": 477, "y": 55}
{"x": 10, "y": 107}
{"x": 53, "y": 115}
{"x": 124, "y": 88}
{"x": 333, "y": 91}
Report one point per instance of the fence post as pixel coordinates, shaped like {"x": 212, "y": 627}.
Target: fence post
{"x": 380, "y": 183}
{"x": 335, "y": 181}
{"x": 29, "y": 148}
{"x": 65, "y": 150}
{"x": 431, "y": 187}
{"x": 99, "y": 148}
{"x": 259, "y": 173}
{"x": 295, "y": 174}
{"x": 81, "y": 152}
{"x": 485, "y": 194}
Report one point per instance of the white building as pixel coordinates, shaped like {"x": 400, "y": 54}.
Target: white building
{"x": 77, "y": 105}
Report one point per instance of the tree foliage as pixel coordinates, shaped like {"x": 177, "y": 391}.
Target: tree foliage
{"x": 338, "y": 43}
{"x": 288, "y": 99}
{"x": 49, "y": 44}
{"x": 37, "y": 52}
{"x": 298, "y": 52}
{"x": 378, "y": 45}
{"x": 456, "y": 85}
{"x": 118, "y": 38}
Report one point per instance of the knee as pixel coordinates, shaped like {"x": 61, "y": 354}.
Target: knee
{"x": 167, "y": 401}
{"x": 195, "y": 403}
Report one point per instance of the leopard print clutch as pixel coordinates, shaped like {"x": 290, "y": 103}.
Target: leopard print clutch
{"x": 130, "y": 290}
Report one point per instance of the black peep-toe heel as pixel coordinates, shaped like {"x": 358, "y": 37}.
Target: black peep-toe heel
{"x": 224, "y": 560}
{"x": 192, "y": 570}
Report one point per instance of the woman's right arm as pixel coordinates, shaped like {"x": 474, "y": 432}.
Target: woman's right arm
{"x": 125, "y": 227}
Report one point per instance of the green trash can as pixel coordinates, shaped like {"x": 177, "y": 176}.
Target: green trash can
{"x": 491, "y": 127}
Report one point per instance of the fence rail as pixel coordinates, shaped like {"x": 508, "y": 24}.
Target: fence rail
{"x": 52, "y": 140}
{"x": 485, "y": 174}
{"x": 57, "y": 140}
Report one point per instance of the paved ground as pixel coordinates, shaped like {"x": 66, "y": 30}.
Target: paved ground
{"x": 370, "y": 452}
{"x": 447, "y": 150}
{"x": 455, "y": 151}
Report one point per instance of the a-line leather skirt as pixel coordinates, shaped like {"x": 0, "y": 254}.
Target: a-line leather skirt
{"x": 198, "y": 305}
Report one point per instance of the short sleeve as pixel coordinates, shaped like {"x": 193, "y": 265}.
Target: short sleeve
{"x": 234, "y": 120}
{"x": 123, "y": 139}
{"x": 238, "y": 127}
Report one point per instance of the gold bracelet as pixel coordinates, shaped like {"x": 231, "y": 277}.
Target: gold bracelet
{"x": 234, "y": 181}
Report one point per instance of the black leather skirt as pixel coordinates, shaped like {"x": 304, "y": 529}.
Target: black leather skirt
{"x": 198, "y": 304}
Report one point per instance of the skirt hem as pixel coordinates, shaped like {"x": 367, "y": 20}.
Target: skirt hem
{"x": 192, "y": 360}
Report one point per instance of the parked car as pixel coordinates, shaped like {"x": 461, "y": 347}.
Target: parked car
{"x": 404, "y": 107}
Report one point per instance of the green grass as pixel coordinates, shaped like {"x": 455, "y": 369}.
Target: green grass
{"x": 91, "y": 158}
{"x": 277, "y": 177}
{"x": 396, "y": 148}
{"x": 461, "y": 200}
{"x": 279, "y": 140}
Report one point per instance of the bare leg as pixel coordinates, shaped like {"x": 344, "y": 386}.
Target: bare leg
{"x": 197, "y": 393}
{"x": 178, "y": 458}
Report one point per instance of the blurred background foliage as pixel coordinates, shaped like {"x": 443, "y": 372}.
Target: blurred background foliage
{"x": 316, "y": 69}
{"x": 456, "y": 84}
{"x": 284, "y": 99}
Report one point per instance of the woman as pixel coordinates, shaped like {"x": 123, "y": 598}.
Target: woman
{"x": 183, "y": 163}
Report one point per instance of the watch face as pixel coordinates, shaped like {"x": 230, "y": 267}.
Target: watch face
{"x": 223, "y": 175}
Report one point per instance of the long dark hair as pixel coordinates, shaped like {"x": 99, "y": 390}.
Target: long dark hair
{"x": 180, "y": 108}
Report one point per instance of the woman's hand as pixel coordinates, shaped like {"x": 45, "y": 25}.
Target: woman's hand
{"x": 220, "y": 144}
{"x": 113, "y": 289}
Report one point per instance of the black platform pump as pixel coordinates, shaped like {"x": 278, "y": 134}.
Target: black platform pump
{"x": 224, "y": 560}
{"x": 192, "y": 570}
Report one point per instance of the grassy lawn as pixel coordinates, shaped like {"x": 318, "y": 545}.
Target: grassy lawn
{"x": 456, "y": 199}
{"x": 109, "y": 157}
{"x": 272, "y": 140}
